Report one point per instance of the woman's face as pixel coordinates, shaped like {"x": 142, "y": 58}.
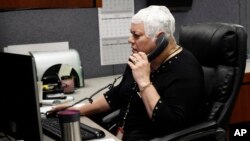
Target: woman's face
{"x": 139, "y": 41}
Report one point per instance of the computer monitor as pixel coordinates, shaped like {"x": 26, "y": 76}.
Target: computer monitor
{"x": 173, "y": 5}
{"x": 20, "y": 111}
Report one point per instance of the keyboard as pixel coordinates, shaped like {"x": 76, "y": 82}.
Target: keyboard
{"x": 51, "y": 127}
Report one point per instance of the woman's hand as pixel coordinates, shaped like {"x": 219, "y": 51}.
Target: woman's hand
{"x": 140, "y": 66}
{"x": 54, "y": 109}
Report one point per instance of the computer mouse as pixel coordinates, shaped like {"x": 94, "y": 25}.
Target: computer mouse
{"x": 51, "y": 114}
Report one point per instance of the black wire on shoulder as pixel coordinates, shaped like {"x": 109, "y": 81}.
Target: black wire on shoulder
{"x": 95, "y": 93}
{"x": 109, "y": 86}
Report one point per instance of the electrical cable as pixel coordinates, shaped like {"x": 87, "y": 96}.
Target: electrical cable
{"x": 109, "y": 86}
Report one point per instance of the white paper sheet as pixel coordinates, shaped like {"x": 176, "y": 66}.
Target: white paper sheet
{"x": 114, "y": 23}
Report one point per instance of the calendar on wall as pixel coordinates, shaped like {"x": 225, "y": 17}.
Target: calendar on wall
{"x": 114, "y": 23}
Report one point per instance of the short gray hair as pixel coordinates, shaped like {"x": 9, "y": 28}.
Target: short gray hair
{"x": 155, "y": 19}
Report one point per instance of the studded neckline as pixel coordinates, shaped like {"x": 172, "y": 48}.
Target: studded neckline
{"x": 166, "y": 63}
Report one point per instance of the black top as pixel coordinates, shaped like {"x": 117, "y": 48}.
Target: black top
{"x": 179, "y": 82}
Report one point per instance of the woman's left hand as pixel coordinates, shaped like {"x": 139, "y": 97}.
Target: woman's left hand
{"x": 140, "y": 66}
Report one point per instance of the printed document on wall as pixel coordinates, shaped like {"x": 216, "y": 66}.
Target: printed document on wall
{"x": 114, "y": 23}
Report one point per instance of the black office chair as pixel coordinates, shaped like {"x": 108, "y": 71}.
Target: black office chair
{"x": 221, "y": 50}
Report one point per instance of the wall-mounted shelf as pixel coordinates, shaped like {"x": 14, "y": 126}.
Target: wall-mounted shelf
{"x": 42, "y": 4}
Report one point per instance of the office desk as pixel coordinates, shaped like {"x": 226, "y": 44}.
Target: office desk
{"x": 91, "y": 86}
{"x": 241, "y": 110}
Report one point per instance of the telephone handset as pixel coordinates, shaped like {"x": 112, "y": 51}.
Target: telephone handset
{"x": 161, "y": 44}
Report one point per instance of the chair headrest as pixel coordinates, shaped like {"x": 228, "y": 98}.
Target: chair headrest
{"x": 212, "y": 43}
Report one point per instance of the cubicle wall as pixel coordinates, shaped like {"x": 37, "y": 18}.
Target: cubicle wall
{"x": 80, "y": 27}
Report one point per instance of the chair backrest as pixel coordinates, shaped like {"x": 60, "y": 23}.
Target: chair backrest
{"x": 221, "y": 50}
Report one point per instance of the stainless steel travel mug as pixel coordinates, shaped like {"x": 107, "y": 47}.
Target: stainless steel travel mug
{"x": 70, "y": 125}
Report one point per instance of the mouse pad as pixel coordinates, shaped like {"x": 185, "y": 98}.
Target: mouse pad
{"x": 54, "y": 71}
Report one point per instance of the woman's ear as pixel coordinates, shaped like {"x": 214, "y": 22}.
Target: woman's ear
{"x": 159, "y": 33}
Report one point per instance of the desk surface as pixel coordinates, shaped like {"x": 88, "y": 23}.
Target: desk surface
{"x": 247, "y": 70}
{"x": 91, "y": 86}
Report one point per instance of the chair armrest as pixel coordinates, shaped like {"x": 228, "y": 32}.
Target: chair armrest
{"x": 208, "y": 135}
{"x": 190, "y": 132}
{"x": 109, "y": 121}
{"x": 110, "y": 117}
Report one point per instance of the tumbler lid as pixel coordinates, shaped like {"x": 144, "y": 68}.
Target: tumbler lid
{"x": 67, "y": 116}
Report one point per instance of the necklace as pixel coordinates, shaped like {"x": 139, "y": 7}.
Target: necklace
{"x": 172, "y": 52}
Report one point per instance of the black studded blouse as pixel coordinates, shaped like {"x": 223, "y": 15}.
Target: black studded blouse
{"x": 179, "y": 82}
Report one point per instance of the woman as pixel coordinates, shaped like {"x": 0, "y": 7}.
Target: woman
{"x": 157, "y": 97}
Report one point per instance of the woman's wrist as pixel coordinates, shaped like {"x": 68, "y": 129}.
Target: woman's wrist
{"x": 142, "y": 88}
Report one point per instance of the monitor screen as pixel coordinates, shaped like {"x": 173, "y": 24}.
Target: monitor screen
{"x": 20, "y": 111}
{"x": 173, "y": 5}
